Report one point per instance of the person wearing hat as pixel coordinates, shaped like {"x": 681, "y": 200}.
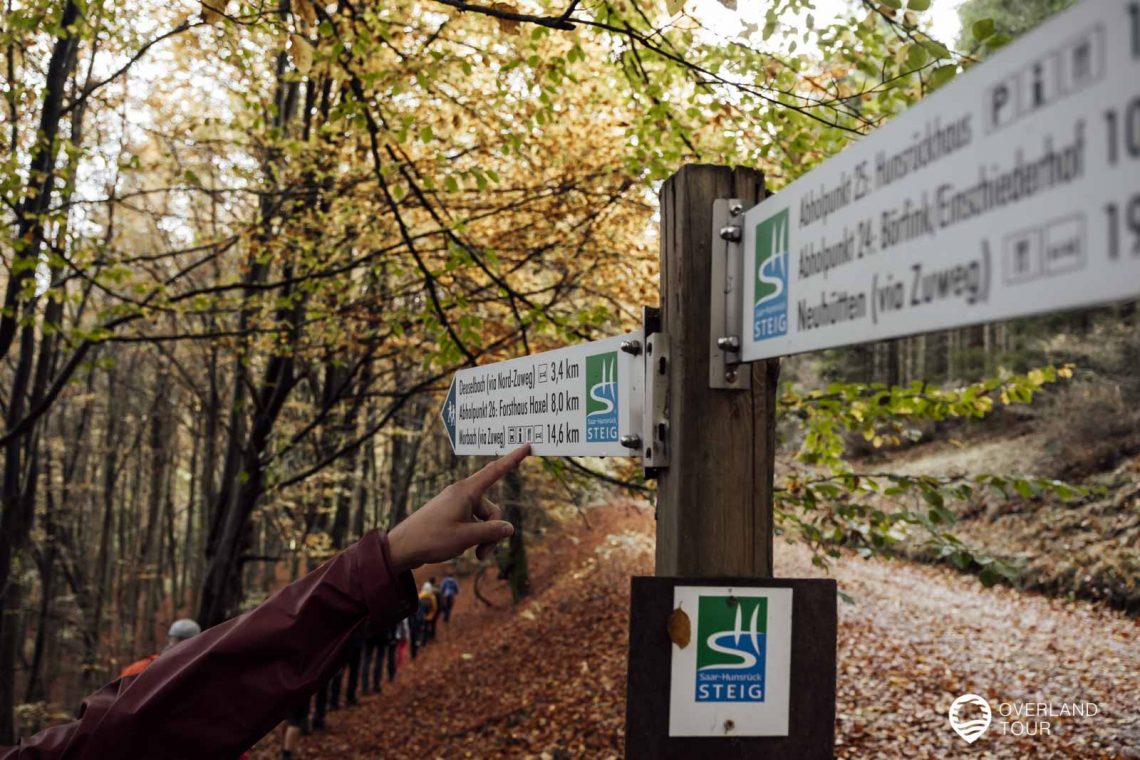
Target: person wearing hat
{"x": 180, "y": 630}
{"x": 215, "y": 694}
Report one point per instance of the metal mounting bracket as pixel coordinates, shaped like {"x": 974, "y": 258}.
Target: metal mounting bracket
{"x": 727, "y": 297}
{"x": 655, "y": 410}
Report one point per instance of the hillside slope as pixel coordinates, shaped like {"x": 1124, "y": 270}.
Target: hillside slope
{"x": 1087, "y": 548}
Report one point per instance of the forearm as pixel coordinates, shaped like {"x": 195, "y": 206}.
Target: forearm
{"x": 218, "y": 693}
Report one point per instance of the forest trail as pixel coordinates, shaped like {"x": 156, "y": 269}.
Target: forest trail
{"x": 547, "y": 680}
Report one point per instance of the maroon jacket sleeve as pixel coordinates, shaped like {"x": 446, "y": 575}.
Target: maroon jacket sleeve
{"x": 216, "y": 694}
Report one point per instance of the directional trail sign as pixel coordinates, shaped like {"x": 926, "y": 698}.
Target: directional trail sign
{"x": 576, "y": 401}
{"x": 1014, "y": 190}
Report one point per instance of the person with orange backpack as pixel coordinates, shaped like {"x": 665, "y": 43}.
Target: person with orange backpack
{"x": 180, "y": 630}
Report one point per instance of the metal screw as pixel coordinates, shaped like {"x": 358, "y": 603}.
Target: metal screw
{"x": 730, "y": 376}
{"x": 631, "y": 441}
{"x": 736, "y": 209}
{"x": 631, "y": 347}
{"x": 729, "y": 725}
{"x": 728, "y": 343}
{"x": 731, "y": 233}
{"x": 662, "y": 365}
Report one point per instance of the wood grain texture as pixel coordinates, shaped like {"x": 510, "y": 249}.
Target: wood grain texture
{"x": 811, "y": 706}
{"x": 714, "y": 511}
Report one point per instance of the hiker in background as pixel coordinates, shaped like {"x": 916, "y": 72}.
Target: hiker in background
{"x": 393, "y": 641}
{"x": 403, "y": 642}
{"x": 321, "y": 705}
{"x": 448, "y": 590}
{"x": 296, "y": 726}
{"x": 332, "y": 690}
{"x": 429, "y": 605}
{"x": 438, "y": 608}
{"x": 356, "y": 646}
{"x": 351, "y": 668}
{"x": 378, "y": 644}
{"x": 180, "y": 630}
{"x": 416, "y": 629}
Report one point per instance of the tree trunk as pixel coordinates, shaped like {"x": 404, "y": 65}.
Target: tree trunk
{"x": 244, "y": 463}
{"x": 515, "y": 565}
{"x": 17, "y": 492}
{"x": 35, "y": 690}
{"x": 406, "y": 441}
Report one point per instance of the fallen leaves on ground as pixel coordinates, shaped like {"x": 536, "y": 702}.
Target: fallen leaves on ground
{"x": 546, "y": 679}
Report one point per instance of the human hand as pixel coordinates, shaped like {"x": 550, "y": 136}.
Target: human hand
{"x": 458, "y": 518}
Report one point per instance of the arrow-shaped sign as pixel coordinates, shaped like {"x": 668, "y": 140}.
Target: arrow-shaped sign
{"x": 576, "y": 401}
{"x": 448, "y": 414}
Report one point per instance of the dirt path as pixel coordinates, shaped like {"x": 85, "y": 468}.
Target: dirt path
{"x": 547, "y": 680}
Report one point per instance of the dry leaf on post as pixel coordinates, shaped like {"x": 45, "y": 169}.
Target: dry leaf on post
{"x": 680, "y": 628}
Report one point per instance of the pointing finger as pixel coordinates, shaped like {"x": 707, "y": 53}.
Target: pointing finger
{"x": 485, "y": 535}
{"x": 488, "y": 510}
{"x": 490, "y": 474}
{"x": 490, "y": 513}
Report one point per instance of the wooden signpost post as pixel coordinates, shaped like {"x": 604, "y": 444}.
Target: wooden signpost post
{"x": 1014, "y": 190}
{"x": 714, "y": 519}
{"x": 721, "y": 441}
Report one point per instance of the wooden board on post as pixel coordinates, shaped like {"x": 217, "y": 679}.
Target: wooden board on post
{"x": 714, "y": 501}
{"x": 811, "y": 708}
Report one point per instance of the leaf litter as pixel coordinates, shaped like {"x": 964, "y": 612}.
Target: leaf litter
{"x": 546, "y": 680}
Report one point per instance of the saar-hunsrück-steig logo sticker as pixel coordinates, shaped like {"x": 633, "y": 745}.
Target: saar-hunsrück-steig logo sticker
{"x": 770, "y": 309}
{"x": 602, "y": 397}
{"x": 731, "y": 648}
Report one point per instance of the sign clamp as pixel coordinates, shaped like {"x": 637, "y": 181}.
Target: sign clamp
{"x": 726, "y": 299}
{"x": 655, "y": 408}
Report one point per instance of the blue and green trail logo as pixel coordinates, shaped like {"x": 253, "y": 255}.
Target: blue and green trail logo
{"x": 731, "y": 658}
{"x": 770, "y": 312}
{"x": 602, "y": 397}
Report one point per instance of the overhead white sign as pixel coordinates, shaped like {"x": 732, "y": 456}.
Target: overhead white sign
{"x": 734, "y": 676}
{"x": 576, "y": 401}
{"x": 1014, "y": 190}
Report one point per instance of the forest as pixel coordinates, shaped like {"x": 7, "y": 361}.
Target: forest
{"x": 246, "y": 244}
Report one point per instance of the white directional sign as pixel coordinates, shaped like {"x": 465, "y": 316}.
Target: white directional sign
{"x": 1014, "y": 190}
{"x": 576, "y": 401}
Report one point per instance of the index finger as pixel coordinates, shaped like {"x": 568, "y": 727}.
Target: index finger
{"x": 490, "y": 474}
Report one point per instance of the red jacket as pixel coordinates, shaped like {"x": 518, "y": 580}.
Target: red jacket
{"x": 215, "y": 695}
